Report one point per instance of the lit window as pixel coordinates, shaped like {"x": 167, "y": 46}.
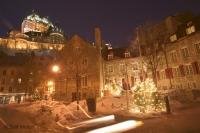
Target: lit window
{"x": 110, "y": 56}
{"x": 127, "y": 54}
{"x": 190, "y": 29}
{"x": 173, "y": 38}
{"x": 19, "y": 80}
{"x": 185, "y": 52}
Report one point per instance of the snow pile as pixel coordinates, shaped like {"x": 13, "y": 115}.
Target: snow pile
{"x": 108, "y": 105}
{"x": 53, "y": 111}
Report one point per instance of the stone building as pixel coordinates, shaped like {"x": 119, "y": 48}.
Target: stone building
{"x": 120, "y": 66}
{"x": 183, "y": 59}
{"x": 80, "y": 69}
{"x": 176, "y": 40}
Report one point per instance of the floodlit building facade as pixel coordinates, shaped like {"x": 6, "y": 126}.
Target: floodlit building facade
{"x": 80, "y": 69}
{"x": 177, "y": 44}
{"x": 37, "y": 34}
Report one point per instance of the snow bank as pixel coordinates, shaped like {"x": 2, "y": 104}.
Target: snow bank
{"x": 108, "y": 105}
{"x": 52, "y": 111}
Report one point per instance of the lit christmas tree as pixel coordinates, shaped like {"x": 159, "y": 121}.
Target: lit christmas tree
{"x": 114, "y": 89}
{"x": 145, "y": 98}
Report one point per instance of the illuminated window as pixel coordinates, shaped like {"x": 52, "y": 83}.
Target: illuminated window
{"x": 173, "y": 38}
{"x": 185, "y": 52}
{"x": 19, "y": 80}
{"x": 190, "y": 30}
{"x": 127, "y": 54}
{"x": 110, "y": 56}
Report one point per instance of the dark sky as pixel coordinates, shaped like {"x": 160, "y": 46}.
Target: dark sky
{"x": 117, "y": 18}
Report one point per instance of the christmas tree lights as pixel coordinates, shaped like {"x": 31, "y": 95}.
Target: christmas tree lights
{"x": 145, "y": 98}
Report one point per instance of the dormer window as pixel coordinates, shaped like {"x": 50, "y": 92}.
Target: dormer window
{"x": 191, "y": 29}
{"x": 173, "y": 38}
{"x": 127, "y": 54}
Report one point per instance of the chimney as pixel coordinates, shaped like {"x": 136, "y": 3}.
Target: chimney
{"x": 97, "y": 35}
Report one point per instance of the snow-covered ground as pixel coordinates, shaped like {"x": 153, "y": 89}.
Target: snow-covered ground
{"x": 58, "y": 111}
{"x": 45, "y": 115}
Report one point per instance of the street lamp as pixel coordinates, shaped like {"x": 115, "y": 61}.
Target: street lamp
{"x": 55, "y": 68}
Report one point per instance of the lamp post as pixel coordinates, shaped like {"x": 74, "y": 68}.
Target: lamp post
{"x": 55, "y": 69}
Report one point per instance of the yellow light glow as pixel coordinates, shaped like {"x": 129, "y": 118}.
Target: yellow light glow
{"x": 119, "y": 127}
{"x": 50, "y": 85}
{"x": 55, "y": 68}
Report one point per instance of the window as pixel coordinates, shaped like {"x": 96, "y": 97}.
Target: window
{"x": 4, "y": 72}
{"x": 122, "y": 67}
{"x": 173, "y": 56}
{"x": 12, "y": 80}
{"x": 190, "y": 30}
{"x": 110, "y": 56}
{"x": 12, "y": 72}
{"x": 189, "y": 70}
{"x": 19, "y": 80}
{"x": 85, "y": 62}
{"x": 10, "y": 89}
{"x": 185, "y": 52}
{"x": 3, "y": 81}
{"x": 173, "y": 38}
{"x": 2, "y": 89}
{"x": 197, "y": 48}
{"x": 163, "y": 76}
{"x": 176, "y": 72}
{"x": 84, "y": 81}
{"x": 127, "y": 54}
{"x": 110, "y": 69}
{"x": 135, "y": 66}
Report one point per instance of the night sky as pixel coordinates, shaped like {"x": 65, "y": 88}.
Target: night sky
{"x": 116, "y": 18}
